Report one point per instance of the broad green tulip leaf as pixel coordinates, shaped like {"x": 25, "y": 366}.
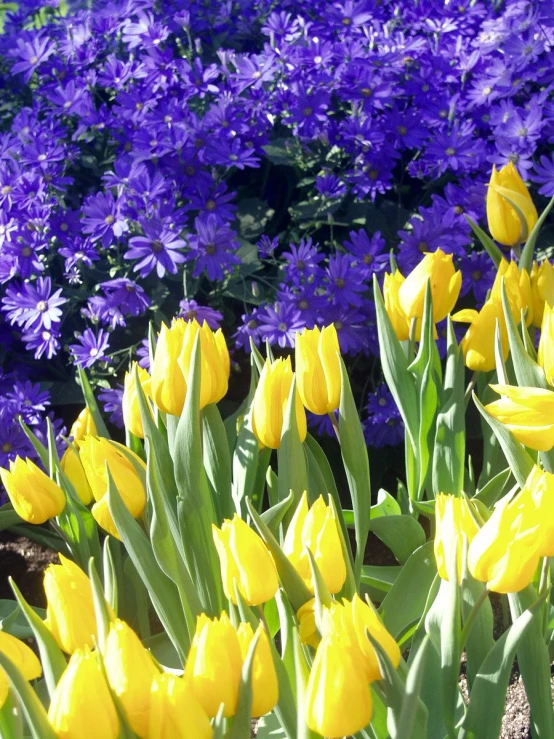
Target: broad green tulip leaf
{"x": 245, "y": 462}
{"x": 13, "y": 621}
{"x": 258, "y": 493}
{"x": 379, "y": 577}
{"x": 302, "y": 671}
{"x": 321, "y": 592}
{"x": 34, "y": 711}
{"x": 349, "y": 588}
{"x": 405, "y": 602}
{"x": 38, "y": 446}
{"x": 241, "y": 727}
{"x": 274, "y": 515}
{"x": 287, "y": 625}
{"x": 271, "y": 615}
{"x": 480, "y": 638}
{"x": 195, "y": 506}
{"x": 401, "y": 534}
{"x": 257, "y": 357}
{"x": 488, "y": 244}
{"x": 494, "y": 488}
{"x": 272, "y": 484}
{"x": 526, "y": 259}
{"x": 356, "y": 465}
{"x": 103, "y": 616}
{"x": 484, "y": 715}
{"x": 386, "y": 505}
{"x": 91, "y": 404}
{"x": 392, "y": 685}
{"x": 51, "y": 656}
{"x": 534, "y": 662}
{"x": 163, "y": 651}
{"x": 293, "y": 471}
{"x": 161, "y": 589}
{"x": 8, "y": 517}
{"x": 521, "y": 463}
{"x": 11, "y": 720}
{"x": 428, "y": 407}
{"x": 269, "y": 727}
{"x": 412, "y": 721}
{"x": 45, "y": 537}
{"x": 111, "y": 589}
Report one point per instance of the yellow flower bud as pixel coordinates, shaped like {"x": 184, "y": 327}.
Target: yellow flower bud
{"x": 518, "y": 290}
{"x": 83, "y": 426}
{"x": 130, "y": 670}
{"x": 214, "y": 665}
{"x": 528, "y": 412}
{"x": 307, "y": 627}
{"x": 546, "y": 344}
{"x": 270, "y": 402}
{"x": 400, "y": 322}
{"x": 478, "y": 342}
{"x": 245, "y": 559}
{"x": 437, "y": 269}
{"x": 95, "y": 453}
{"x": 316, "y": 529}
{"x": 317, "y": 360}
{"x": 131, "y": 408}
{"x": 70, "y": 609}
{"x": 168, "y": 384}
{"x": 22, "y": 657}
{"x": 71, "y": 465}
{"x": 542, "y": 289}
{"x": 265, "y": 686}
{"x": 505, "y": 224}
{"x": 34, "y": 496}
{"x": 174, "y": 711}
{"x": 215, "y": 362}
{"x": 454, "y": 523}
{"x": 82, "y": 706}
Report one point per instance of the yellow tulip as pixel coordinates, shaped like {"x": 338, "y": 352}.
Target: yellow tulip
{"x": 455, "y": 524}
{"x": 542, "y": 289}
{"x": 265, "y": 686}
{"x": 22, "y": 657}
{"x": 316, "y": 529}
{"x": 478, "y": 342}
{"x": 437, "y": 269}
{"x": 317, "y": 362}
{"x": 82, "y": 706}
{"x": 130, "y": 403}
{"x": 95, "y": 453}
{"x": 400, "y": 321}
{"x": 214, "y": 665}
{"x": 70, "y": 608}
{"x": 539, "y": 487}
{"x": 34, "y": 496}
{"x": 174, "y": 711}
{"x": 518, "y": 290}
{"x": 338, "y": 698}
{"x": 246, "y": 561}
{"x": 270, "y": 402}
{"x": 307, "y": 627}
{"x": 83, "y": 426}
{"x": 505, "y": 224}
{"x": 71, "y": 465}
{"x": 130, "y": 670}
{"x": 215, "y": 362}
{"x": 168, "y": 384}
{"x": 528, "y": 412}
{"x": 546, "y": 344}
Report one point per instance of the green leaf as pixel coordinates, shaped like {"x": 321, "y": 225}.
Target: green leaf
{"x": 401, "y": 534}
{"x": 412, "y": 721}
{"x": 242, "y": 719}
{"x": 386, "y": 505}
{"x": 526, "y": 259}
{"x": 527, "y": 371}
{"x": 494, "y": 488}
{"x": 293, "y": 473}
{"x": 302, "y": 672}
{"x": 274, "y": 515}
{"x": 101, "y": 611}
{"x": 91, "y": 404}
{"x": 217, "y": 460}
{"x": 379, "y": 577}
{"x": 35, "y": 714}
{"x": 163, "y": 650}
{"x": 8, "y": 517}
{"x": 480, "y": 639}
{"x": 13, "y": 620}
{"x": 488, "y": 244}
{"x": 245, "y": 461}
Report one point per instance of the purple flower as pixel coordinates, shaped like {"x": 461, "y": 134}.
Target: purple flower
{"x": 143, "y": 351}
{"x": 280, "y": 324}
{"x": 383, "y": 426}
{"x": 250, "y": 328}
{"x": 43, "y": 342}
{"x": 211, "y": 247}
{"x": 368, "y": 253}
{"x": 103, "y": 218}
{"x": 28, "y": 401}
{"x": 30, "y": 53}
{"x": 544, "y": 175}
{"x": 267, "y": 246}
{"x": 112, "y": 403}
{"x": 13, "y": 441}
{"x": 91, "y": 348}
{"x": 31, "y": 305}
{"x": 345, "y": 281}
{"x": 158, "y": 249}
{"x": 191, "y": 310}
{"x": 303, "y": 261}
{"x": 478, "y": 274}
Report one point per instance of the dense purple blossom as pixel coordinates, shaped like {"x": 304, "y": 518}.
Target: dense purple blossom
{"x": 159, "y": 249}
{"x": 383, "y": 426}
{"x": 91, "y": 348}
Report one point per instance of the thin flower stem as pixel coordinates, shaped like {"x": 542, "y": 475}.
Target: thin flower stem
{"x": 335, "y": 425}
{"x": 471, "y": 617}
{"x": 469, "y": 389}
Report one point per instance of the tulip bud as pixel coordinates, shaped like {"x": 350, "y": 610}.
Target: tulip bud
{"x": 454, "y": 523}
{"x": 214, "y": 665}
{"x": 542, "y": 289}
{"x": 546, "y": 344}
{"x": 316, "y": 529}
{"x": 70, "y": 609}
{"x": 95, "y": 453}
{"x": 265, "y": 686}
{"x": 438, "y": 270}
{"x": 22, "y": 657}
{"x": 83, "y": 426}
{"x": 397, "y": 317}
{"x": 317, "y": 359}
{"x": 168, "y": 384}
{"x": 215, "y": 362}
{"x": 517, "y": 284}
{"x": 505, "y": 224}
{"x": 246, "y": 561}
{"x": 82, "y": 706}
{"x": 130, "y": 670}
{"x": 131, "y": 408}
{"x": 34, "y": 496}
{"x": 307, "y": 627}
{"x": 479, "y": 340}
{"x": 528, "y": 412}
{"x": 174, "y": 711}
{"x": 270, "y": 403}
{"x": 75, "y": 472}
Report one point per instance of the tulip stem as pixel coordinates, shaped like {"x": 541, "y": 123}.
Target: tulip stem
{"x": 543, "y": 584}
{"x": 471, "y": 617}
{"x": 335, "y": 425}
{"x": 261, "y": 613}
{"x": 469, "y": 389}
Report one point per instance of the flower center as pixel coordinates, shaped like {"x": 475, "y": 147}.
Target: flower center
{"x": 402, "y": 130}
{"x": 42, "y": 306}
{"x": 339, "y": 282}
{"x": 210, "y": 249}
{"x": 7, "y": 447}
{"x": 108, "y": 220}
{"x": 476, "y": 275}
{"x": 373, "y": 174}
{"x": 282, "y": 326}
{"x": 450, "y": 151}
{"x": 94, "y": 352}
{"x": 26, "y": 251}
{"x": 33, "y": 60}
{"x": 157, "y": 246}
{"x": 6, "y": 190}
{"x": 382, "y": 402}
{"x": 307, "y": 111}
{"x": 252, "y": 324}
{"x": 210, "y": 205}
{"x": 339, "y": 325}
{"x": 366, "y": 92}
{"x": 368, "y": 259}
{"x": 423, "y": 246}
{"x": 459, "y": 209}
{"x": 190, "y": 170}
{"x": 303, "y": 304}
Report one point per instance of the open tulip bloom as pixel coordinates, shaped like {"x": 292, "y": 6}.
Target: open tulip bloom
{"x": 213, "y": 571}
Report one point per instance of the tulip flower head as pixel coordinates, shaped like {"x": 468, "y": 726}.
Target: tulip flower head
{"x": 215, "y": 362}
{"x": 75, "y": 472}
{"x": 316, "y": 529}
{"x": 22, "y": 657}
{"x": 542, "y": 289}
{"x": 270, "y": 403}
{"x": 70, "y": 609}
{"x": 83, "y": 426}
{"x": 528, "y": 412}
{"x": 34, "y": 496}
{"x": 317, "y": 362}
{"x": 506, "y": 195}
{"x": 82, "y": 706}
{"x": 265, "y": 686}
{"x": 546, "y": 344}
{"x": 246, "y": 562}
{"x": 399, "y": 320}
{"x": 455, "y": 525}
{"x": 130, "y": 402}
{"x": 168, "y": 385}
{"x": 174, "y": 712}
{"x": 307, "y": 627}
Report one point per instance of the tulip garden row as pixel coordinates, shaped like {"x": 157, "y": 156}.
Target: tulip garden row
{"x": 211, "y": 573}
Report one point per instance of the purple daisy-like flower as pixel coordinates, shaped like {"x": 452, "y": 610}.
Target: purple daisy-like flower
{"x": 250, "y": 328}
{"x": 368, "y": 252}
{"x": 303, "y": 260}
{"x": 478, "y": 274}
{"x": 345, "y": 281}
{"x": 13, "y": 441}
{"x": 112, "y": 403}
{"x": 211, "y": 247}
{"x": 280, "y": 324}
{"x": 43, "y": 342}
{"x": 127, "y": 296}
{"x": 267, "y": 246}
{"x": 143, "y": 352}
{"x": 103, "y": 219}
{"x": 30, "y": 53}
{"x": 31, "y": 304}
{"x": 159, "y": 249}
{"x": 190, "y": 310}
{"x": 384, "y": 426}
{"x": 28, "y": 400}
{"x": 544, "y": 175}
{"x": 91, "y": 348}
